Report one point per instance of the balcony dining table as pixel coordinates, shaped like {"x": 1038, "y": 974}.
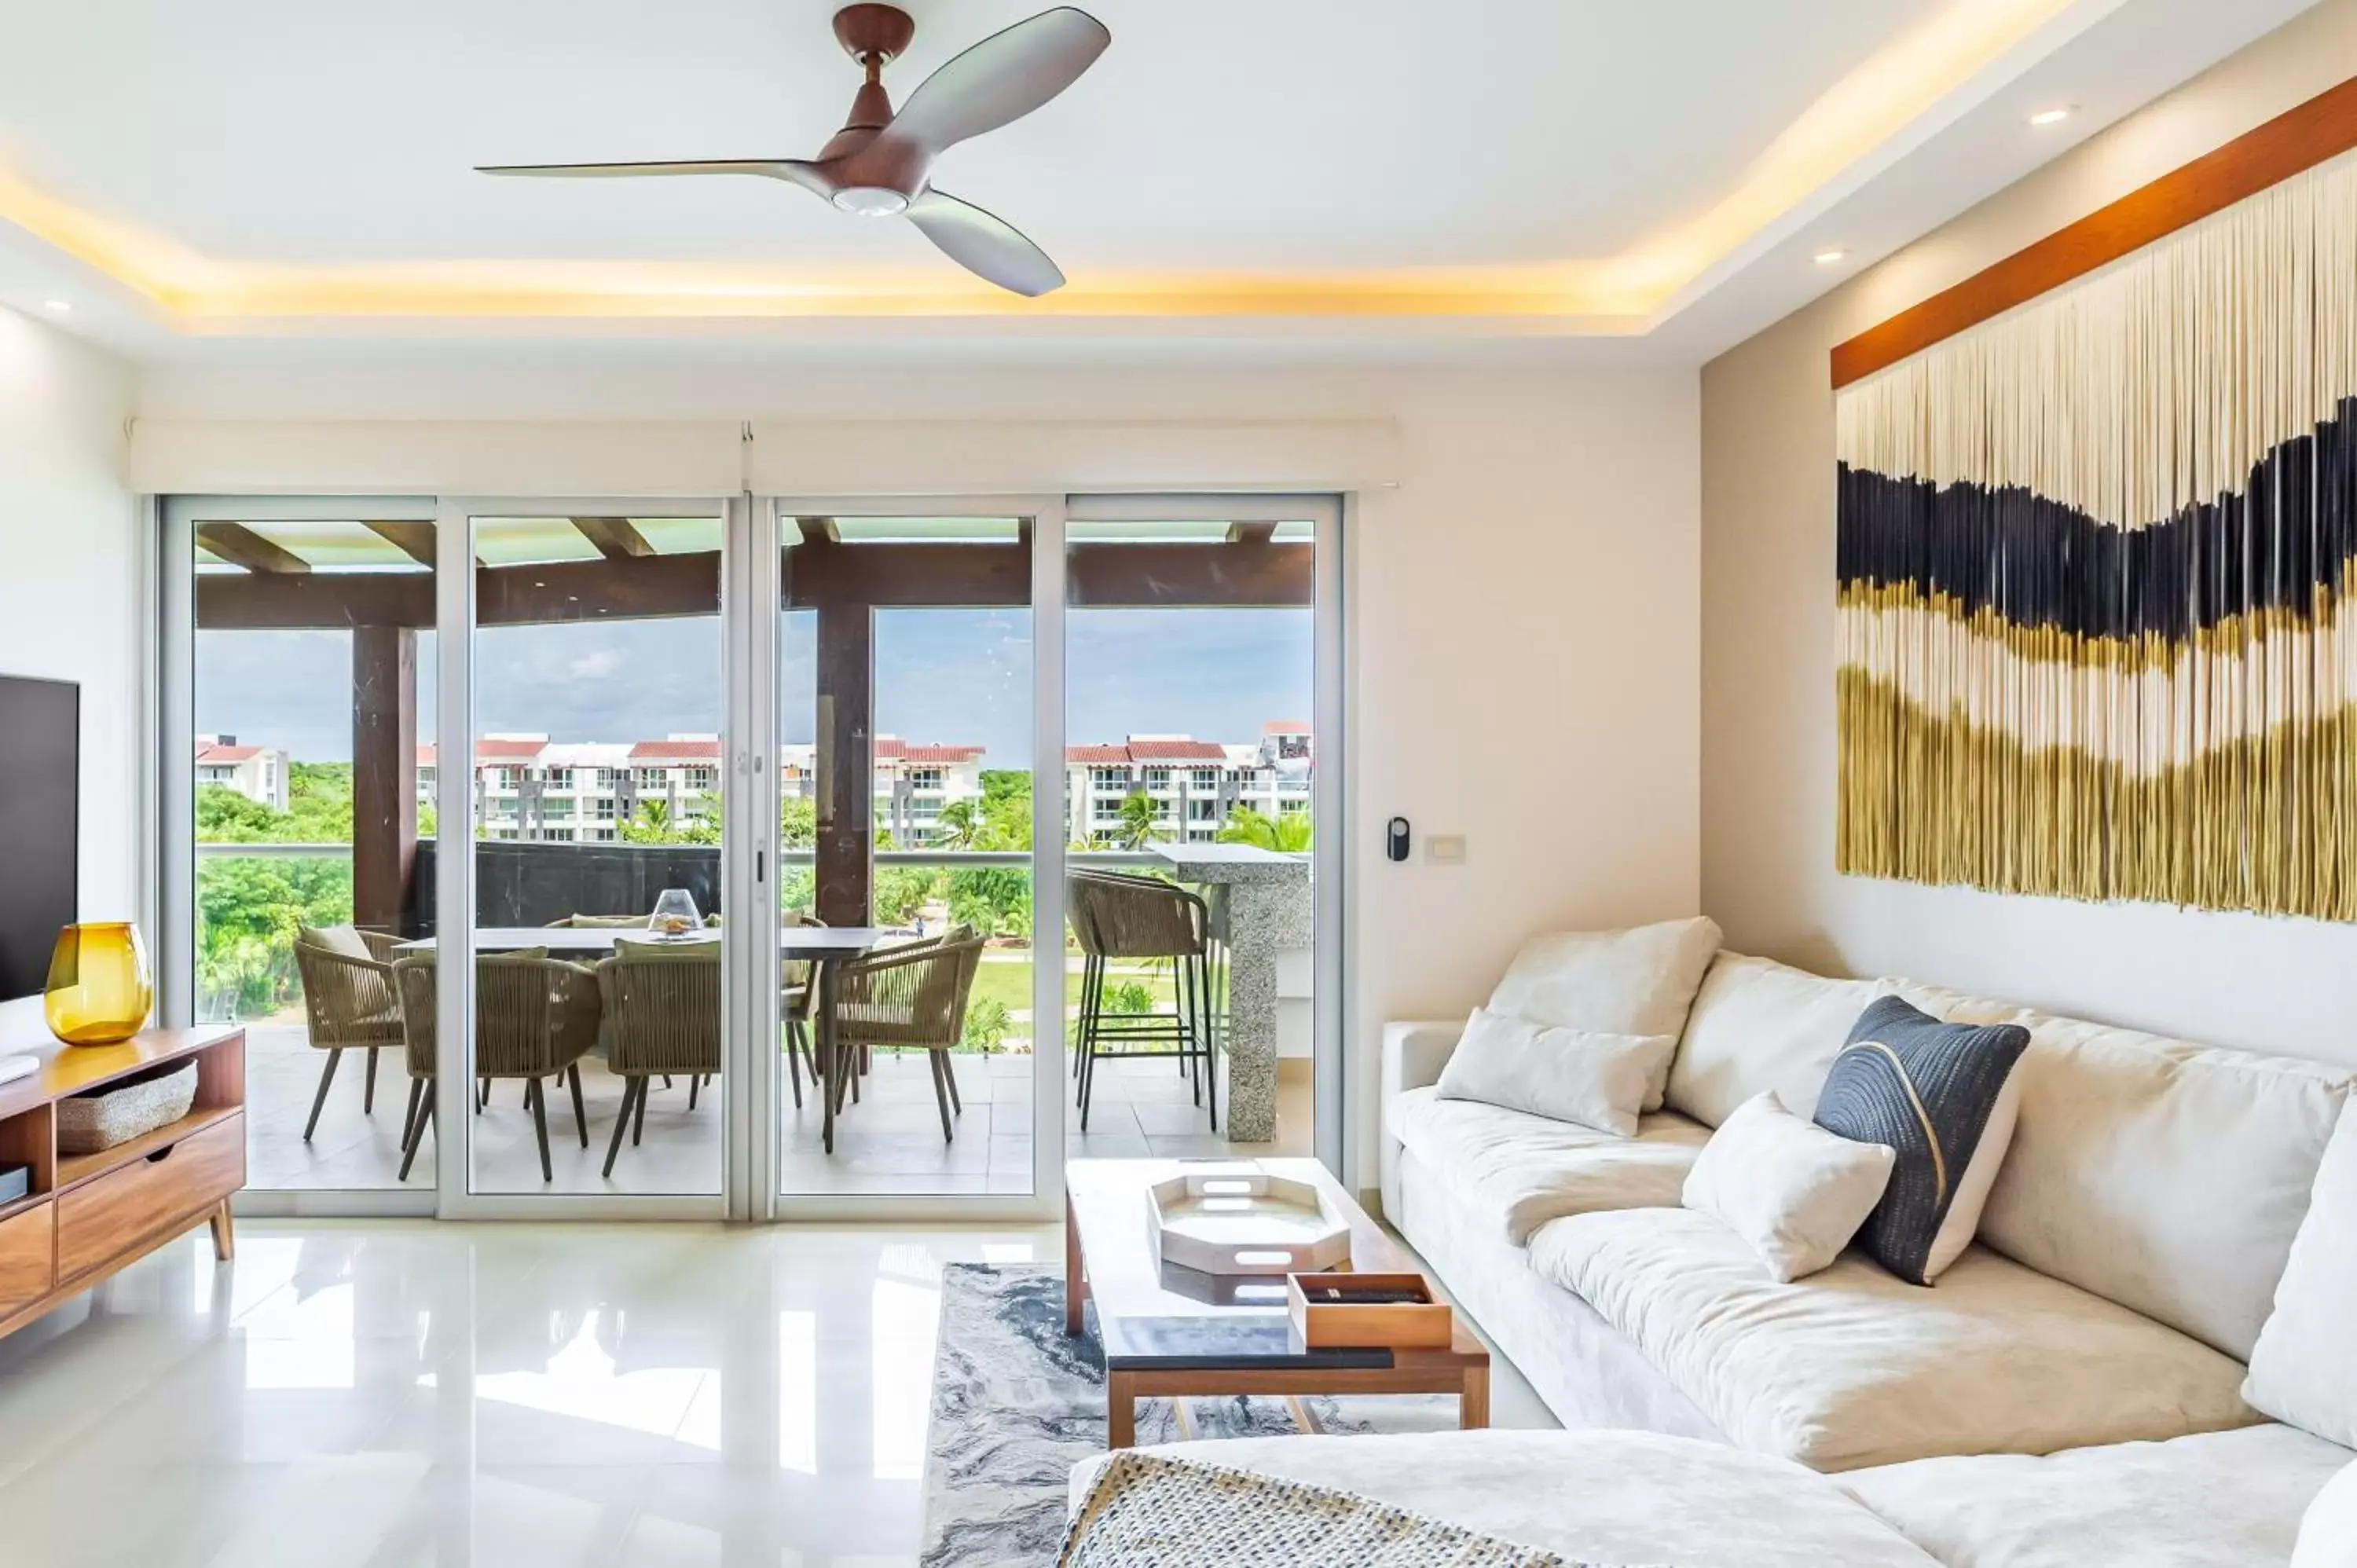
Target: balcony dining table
{"x": 824, "y": 947}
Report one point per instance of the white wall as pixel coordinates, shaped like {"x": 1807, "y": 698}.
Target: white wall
{"x": 68, "y": 593}
{"x": 1768, "y": 648}
{"x": 1523, "y": 599}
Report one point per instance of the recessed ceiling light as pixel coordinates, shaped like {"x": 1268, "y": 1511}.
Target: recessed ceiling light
{"x": 2052, "y": 116}
{"x": 1827, "y": 258}
{"x": 59, "y": 305}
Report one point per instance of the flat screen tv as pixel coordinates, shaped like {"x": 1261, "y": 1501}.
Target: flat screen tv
{"x": 40, "y": 795}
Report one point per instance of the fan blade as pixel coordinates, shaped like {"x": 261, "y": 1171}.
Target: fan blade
{"x": 987, "y": 246}
{"x": 794, "y": 171}
{"x": 1001, "y": 78}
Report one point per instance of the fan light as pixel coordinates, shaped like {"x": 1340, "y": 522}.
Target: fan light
{"x": 871, "y": 200}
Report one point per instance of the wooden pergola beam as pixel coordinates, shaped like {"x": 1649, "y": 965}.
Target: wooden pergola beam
{"x": 818, "y": 531}
{"x": 1242, "y": 574}
{"x": 615, "y": 538}
{"x": 241, "y": 546}
{"x": 414, "y": 539}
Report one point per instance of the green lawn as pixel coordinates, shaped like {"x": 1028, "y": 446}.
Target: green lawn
{"x": 1005, "y": 977}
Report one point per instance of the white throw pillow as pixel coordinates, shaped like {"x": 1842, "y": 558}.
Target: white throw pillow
{"x": 1640, "y": 980}
{"x": 1566, "y": 1074}
{"x": 1794, "y": 1191}
{"x": 2328, "y": 1531}
{"x": 2304, "y": 1367}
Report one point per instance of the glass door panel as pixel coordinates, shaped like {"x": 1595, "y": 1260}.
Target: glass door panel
{"x": 310, "y": 677}
{"x": 600, "y": 683}
{"x": 905, "y": 667}
{"x": 1191, "y": 683}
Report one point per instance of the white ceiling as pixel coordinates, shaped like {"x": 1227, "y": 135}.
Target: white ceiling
{"x": 1384, "y": 140}
{"x": 1223, "y": 136}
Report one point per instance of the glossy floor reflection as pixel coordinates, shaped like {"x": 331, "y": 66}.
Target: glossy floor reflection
{"x": 395, "y": 1394}
{"x": 378, "y": 1395}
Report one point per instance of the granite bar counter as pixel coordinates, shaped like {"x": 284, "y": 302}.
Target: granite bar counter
{"x": 1261, "y": 906}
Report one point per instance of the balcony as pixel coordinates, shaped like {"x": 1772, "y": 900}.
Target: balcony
{"x": 252, "y": 895}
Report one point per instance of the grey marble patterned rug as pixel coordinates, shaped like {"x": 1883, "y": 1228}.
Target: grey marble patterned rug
{"x": 1015, "y": 1405}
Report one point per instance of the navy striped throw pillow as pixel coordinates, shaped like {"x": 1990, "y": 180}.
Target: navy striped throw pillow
{"x": 1943, "y": 1096}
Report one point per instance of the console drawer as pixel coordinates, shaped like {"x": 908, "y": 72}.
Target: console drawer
{"x": 24, "y": 1257}
{"x": 101, "y": 1219}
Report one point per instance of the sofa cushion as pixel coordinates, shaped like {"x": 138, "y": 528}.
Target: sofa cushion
{"x": 1587, "y": 1496}
{"x": 2327, "y": 1530}
{"x": 2304, "y": 1371}
{"x": 2165, "y": 1175}
{"x": 1638, "y": 981}
{"x": 1522, "y": 1171}
{"x": 1796, "y": 1193}
{"x": 1757, "y": 1025}
{"x": 1854, "y": 1367}
{"x": 2219, "y": 1499}
{"x": 1566, "y": 1075}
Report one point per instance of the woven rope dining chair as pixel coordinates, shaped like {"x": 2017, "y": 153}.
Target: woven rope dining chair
{"x": 1114, "y": 917}
{"x": 663, "y": 1015}
{"x": 348, "y": 1004}
{"x": 910, "y": 997}
{"x": 798, "y": 991}
{"x": 535, "y": 1018}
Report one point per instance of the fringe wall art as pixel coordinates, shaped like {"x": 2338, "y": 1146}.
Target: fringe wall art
{"x": 2094, "y": 555}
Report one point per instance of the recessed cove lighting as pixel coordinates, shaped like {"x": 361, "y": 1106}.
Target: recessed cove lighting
{"x": 1827, "y": 258}
{"x": 61, "y": 307}
{"x": 2053, "y": 116}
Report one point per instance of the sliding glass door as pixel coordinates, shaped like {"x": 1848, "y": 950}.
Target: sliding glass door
{"x": 784, "y": 834}
{"x": 905, "y": 740}
{"x": 298, "y": 687}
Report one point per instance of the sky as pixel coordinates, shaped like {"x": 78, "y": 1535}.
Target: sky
{"x": 950, "y": 676}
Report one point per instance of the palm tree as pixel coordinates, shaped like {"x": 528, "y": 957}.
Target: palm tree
{"x": 1140, "y": 822}
{"x": 1288, "y": 833}
{"x": 650, "y": 823}
{"x": 959, "y": 825}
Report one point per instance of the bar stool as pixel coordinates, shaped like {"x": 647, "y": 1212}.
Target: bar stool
{"x": 1139, "y": 917}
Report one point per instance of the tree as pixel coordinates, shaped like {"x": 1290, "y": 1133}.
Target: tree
{"x": 993, "y": 900}
{"x": 1287, "y": 832}
{"x": 224, "y": 816}
{"x": 1140, "y": 822}
{"x": 797, "y": 822}
{"x": 960, "y": 825}
{"x": 1006, "y": 809}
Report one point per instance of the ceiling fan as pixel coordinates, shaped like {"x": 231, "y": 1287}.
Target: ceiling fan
{"x": 879, "y": 165}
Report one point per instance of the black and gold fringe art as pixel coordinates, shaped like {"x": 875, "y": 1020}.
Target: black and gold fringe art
{"x": 2093, "y": 557}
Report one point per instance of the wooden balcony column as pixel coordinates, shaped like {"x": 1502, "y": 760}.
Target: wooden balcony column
{"x": 384, "y": 775}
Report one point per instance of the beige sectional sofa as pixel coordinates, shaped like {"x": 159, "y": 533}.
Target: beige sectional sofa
{"x": 2067, "y": 1395}
{"x": 2069, "y": 1392}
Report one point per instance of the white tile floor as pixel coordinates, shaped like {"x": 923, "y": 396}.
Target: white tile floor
{"x": 889, "y": 1143}
{"x": 397, "y": 1394}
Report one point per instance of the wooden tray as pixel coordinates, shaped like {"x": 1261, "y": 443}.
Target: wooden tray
{"x": 1421, "y": 1324}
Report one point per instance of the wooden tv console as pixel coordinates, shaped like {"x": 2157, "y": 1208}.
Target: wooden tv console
{"x": 89, "y": 1215}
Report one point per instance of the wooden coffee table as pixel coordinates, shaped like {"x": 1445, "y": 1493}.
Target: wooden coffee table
{"x": 1172, "y": 1331}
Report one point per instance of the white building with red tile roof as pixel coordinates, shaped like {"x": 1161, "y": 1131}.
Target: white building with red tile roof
{"x": 529, "y": 788}
{"x": 1194, "y": 784}
{"x": 256, "y": 772}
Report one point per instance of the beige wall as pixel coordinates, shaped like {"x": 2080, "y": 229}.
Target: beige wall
{"x": 1523, "y": 596}
{"x": 69, "y": 594}
{"x": 1768, "y": 647}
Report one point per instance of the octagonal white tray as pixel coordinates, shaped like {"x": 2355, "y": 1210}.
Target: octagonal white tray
{"x": 1238, "y": 1219}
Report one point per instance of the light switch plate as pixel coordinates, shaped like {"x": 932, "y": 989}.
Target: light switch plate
{"x": 1445, "y": 849}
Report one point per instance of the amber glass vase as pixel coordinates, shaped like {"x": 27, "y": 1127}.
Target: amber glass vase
{"x": 99, "y": 988}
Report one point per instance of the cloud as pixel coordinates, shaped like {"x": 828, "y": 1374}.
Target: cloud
{"x": 601, "y": 664}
